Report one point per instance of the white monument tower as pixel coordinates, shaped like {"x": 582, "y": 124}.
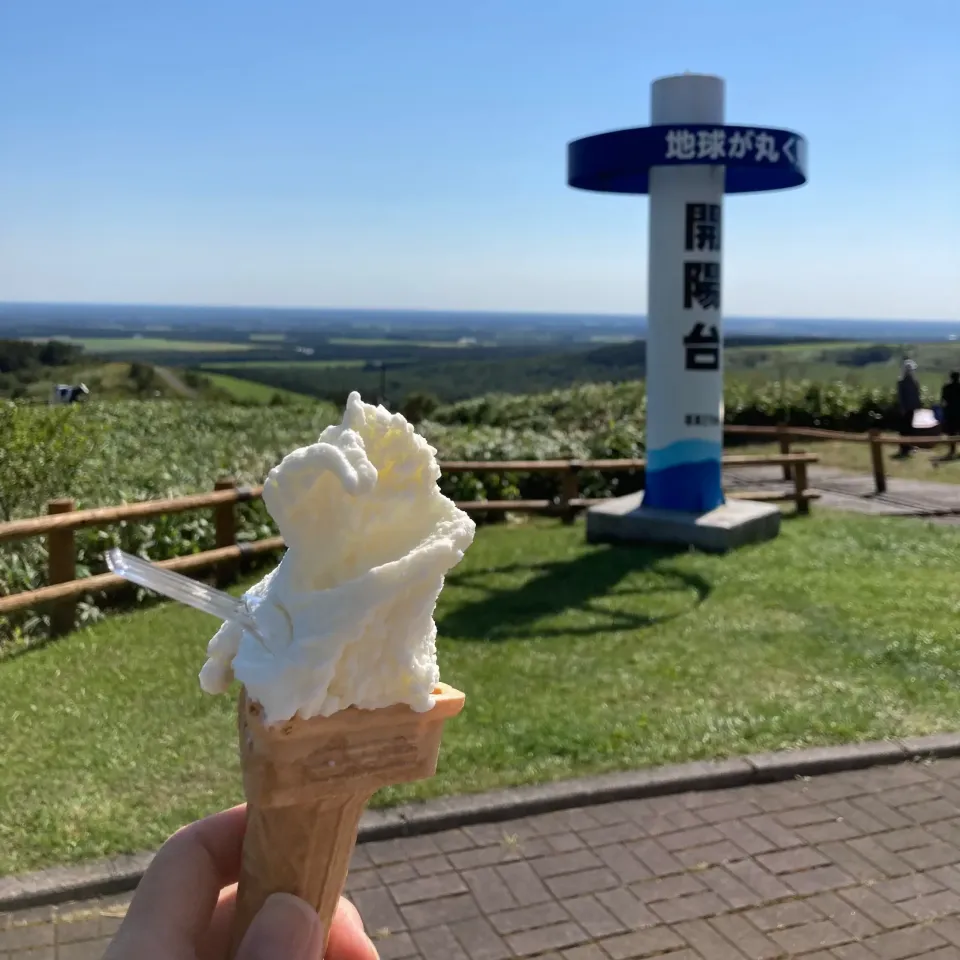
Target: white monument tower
{"x": 686, "y": 160}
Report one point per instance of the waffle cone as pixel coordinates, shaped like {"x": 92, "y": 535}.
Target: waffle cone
{"x": 307, "y": 783}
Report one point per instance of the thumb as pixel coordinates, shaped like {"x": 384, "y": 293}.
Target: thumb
{"x": 286, "y": 928}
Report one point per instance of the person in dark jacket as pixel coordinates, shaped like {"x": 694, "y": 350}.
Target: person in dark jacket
{"x": 908, "y": 394}
{"x": 950, "y": 402}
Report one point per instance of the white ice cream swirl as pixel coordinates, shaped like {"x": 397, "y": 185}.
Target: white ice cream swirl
{"x": 347, "y": 616}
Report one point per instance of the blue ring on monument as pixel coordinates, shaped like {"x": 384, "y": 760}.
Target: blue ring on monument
{"x": 756, "y": 159}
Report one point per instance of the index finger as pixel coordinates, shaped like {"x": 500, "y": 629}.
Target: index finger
{"x": 177, "y": 895}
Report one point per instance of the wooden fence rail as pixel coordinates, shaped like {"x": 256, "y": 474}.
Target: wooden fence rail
{"x": 63, "y": 595}
{"x": 63, "y": 519}
{"x": 58, "y": 526}
{"x": 877, "y": 441}
{"x": 66, "y": 518}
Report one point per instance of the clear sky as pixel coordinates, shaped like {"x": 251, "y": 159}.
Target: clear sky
{"x": 411, "y": 153}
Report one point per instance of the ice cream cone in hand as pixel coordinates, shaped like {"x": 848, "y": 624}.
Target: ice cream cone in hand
{"x": 341, "y": 689}
{"x": 307, "y": 783}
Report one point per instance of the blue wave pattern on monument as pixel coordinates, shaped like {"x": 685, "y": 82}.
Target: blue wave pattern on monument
{"x": 685, "y": 476}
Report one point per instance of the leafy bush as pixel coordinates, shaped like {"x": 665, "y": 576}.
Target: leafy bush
{"x": 600, "y": 421}
{"x": 833, "y": 405}
{"x": 418, "y": 406}
{"x": 863, "y": 356}
{"x": 103, "y": 454}
{"x": 45, "y": 451}
{"x": 109, "y": 453}
{"x": 807, "y": 403}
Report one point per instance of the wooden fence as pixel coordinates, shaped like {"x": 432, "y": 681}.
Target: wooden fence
{"x": 62, "y": 519}
{"x": 876, "y": 440}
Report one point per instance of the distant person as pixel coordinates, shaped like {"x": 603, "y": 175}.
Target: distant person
{"x": 950, "y": 402}
{"x": 908, "y": 395}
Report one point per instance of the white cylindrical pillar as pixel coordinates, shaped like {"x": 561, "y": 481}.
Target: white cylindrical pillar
{"x": 684, "y": 423}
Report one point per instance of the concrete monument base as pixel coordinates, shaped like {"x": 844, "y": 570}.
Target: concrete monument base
{"x": 737, "y": 522}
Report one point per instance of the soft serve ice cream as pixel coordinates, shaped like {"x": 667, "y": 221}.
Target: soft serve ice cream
{"x": 346, "y": 619}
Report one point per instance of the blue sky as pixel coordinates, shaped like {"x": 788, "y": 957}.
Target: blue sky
{"x": 411, "y": 153}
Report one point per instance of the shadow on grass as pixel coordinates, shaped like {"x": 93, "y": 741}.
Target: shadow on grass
{"x": 579, "y": 585}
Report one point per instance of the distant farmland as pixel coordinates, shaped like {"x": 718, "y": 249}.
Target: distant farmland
{"x": 255, "y": 365}
{"x": 402, "y": 342}
{"x": 159, "y": 345}
{"x": 249, "y": 391}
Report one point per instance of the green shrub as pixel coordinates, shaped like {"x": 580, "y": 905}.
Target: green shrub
{"x": 113, "y": 452}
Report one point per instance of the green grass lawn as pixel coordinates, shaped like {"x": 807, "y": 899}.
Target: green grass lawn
{"x": 574, "y": 659}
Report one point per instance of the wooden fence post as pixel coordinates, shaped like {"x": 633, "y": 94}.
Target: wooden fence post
{"x": 569, "y": 491}
{"x": 61, "y": 568}
{"x": 800, "y": 480}
{"x": 225, "y": 527}
{"x": 876, "y": 455}
{"x": 783, "y": 434}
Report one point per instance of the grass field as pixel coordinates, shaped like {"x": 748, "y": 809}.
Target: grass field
{"x": 106, "y": 379}
{"x": 805, "y": 349}
{"x": 248, "y": 391}
{"x": 399, "y": 341}
{"x": 818, "y": 362}
{"x": 574, "y": 659}
{"x": 148, "y": 344}
{"x": 282, "y": 364}
{"x": 268, "y": 337}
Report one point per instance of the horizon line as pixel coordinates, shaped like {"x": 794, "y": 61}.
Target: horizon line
{"x": 443, "y": 310}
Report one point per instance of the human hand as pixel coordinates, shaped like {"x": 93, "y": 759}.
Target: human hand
{"x": 183, "y": 908}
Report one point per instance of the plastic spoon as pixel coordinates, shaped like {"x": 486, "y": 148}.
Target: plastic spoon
{"x": 178, "y": 587}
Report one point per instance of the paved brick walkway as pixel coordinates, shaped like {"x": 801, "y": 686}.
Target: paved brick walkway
{"x": 853, "y": 866}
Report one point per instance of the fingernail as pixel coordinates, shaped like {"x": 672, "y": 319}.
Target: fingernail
{"x": 286, "y": 926}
